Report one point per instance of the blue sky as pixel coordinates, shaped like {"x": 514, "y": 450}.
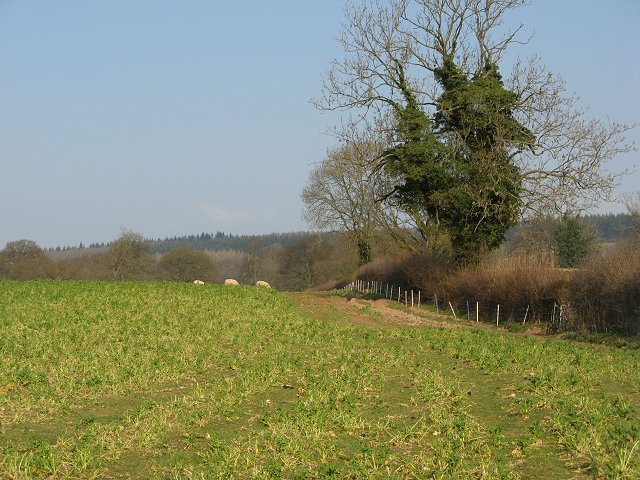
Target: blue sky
{"x": 177, "y": 117}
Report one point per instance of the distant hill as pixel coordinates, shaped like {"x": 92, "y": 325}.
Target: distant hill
{"x": 610, "y": 227}
{"x": 204, "y": 241}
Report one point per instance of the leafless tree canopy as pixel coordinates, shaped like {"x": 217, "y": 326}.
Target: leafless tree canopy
{"x": 568, "y": 171}
{"x": 344, "y": 192}
{"x": 128, "y": 255}
{"x": 381, "y": 38}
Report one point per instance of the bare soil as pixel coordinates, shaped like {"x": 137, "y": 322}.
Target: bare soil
{"x": 380, "y": 311}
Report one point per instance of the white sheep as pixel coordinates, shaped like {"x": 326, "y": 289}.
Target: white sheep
{"x": 260, "y": 283}
{"x": 231, "y": 282}
{"x": 198, "y": 282}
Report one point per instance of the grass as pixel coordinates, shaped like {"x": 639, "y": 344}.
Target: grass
{"x": 165, "y": 380}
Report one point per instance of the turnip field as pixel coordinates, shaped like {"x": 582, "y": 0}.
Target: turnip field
{"x": 169, "y": 380}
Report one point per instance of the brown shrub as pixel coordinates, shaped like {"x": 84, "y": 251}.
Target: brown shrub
{"x": 25, "y": 260}
{"x": 187, "y": 265}
{"x": 518, "y": 285}
{"x": 606, "y": 294}
{"x": 426, "y": 272}
{"x": 89, "y": 267}
{"x": 40, "y": 267}
{"x": 421, "y": 272}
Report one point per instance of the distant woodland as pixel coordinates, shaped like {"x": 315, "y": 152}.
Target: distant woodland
{"x": 606, "y": 227}
{"x": 204, "y": 241}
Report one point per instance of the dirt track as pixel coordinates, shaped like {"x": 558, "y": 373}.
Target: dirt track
{"x": 381, "y": 312}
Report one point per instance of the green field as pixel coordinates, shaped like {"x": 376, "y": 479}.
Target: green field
{"x": 165, "y": 380}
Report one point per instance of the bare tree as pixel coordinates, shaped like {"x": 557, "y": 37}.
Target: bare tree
{"x": 568, "y": 170}
{"x": 534, "y": 238}
{"x": 128, "y": 255}
{"x": 396, "y": 46}
{"x": 186, "y": 265}
{"x": 18, "y": 250}
{"x": 25, "y": 260}
{"x": 299, "y": 263}
{"x": 253, "y": 261}
{"x": 344, "y": 193}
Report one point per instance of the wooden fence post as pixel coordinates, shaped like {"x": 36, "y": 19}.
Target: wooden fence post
{"x": 453, "y": 311}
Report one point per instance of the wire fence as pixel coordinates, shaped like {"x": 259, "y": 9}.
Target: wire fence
{"x": 553, "y": 314}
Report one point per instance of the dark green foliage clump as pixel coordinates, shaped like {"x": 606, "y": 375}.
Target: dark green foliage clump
{"x": 573, "y": 242}
{"x": 457, "y": 168}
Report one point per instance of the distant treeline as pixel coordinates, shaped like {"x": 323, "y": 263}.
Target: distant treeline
{"x": 608, "y": 227}
{"x": 218, "y": 241}
{"x": 221, "y": 241}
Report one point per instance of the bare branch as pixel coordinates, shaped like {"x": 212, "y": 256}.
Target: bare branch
{"x": 568, "y": 171}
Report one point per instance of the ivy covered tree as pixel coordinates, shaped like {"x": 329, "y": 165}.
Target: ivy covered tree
{"x": 418, "y": 161}
{"x": 475, "y": 115}
{"x": 470, "y": 152}
{"x": 457, "y": 167}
